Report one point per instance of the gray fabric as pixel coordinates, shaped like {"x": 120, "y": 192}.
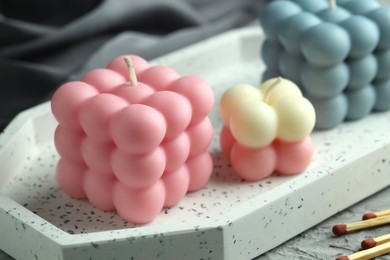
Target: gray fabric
{"x": 44, "y": 43}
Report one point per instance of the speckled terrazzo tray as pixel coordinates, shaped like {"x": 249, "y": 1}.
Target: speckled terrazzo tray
{"x": 228, "y": 219}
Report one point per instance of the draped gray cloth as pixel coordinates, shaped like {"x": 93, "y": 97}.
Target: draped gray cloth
{"x": 44, "y": 43}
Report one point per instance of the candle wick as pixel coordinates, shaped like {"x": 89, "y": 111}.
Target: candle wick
{"x": 130, "y": 68}
{"x": 269, "y": 90}
{"x": 332, "y": 4}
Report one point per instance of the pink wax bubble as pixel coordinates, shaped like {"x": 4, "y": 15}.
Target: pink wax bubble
{"x": 293, "y": 157}
{"x": 138, "y": 171}
{"x": 176, "y": 109}
{"x": 158, "y": 77}
{"x": 67, "y": 101}
{"x": 96, "y": 113}
{"x": 118, "y": 65}
{"x": 200, "y": 169}
{"x": 177, "y": 151}
{"x": 70, "y": 177}
{"x": 134, "y": 94}
{"x": 67, "y": 143}
{"x": 227, "y": 141}
{"x": 198, "y": 92}
{"x": 253, "y": 164}
{"x": 104, "y": 80}
{"x": 97, "y": 155}
{"x": 99, "y": 190}
{"x": 200, "y": 136}
{"x": 138, "y": 129}
{"x": 176, "y": 185}
{"x": 139, "y": 205}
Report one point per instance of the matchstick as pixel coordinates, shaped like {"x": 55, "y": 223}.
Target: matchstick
{"x": 369, "y": 253}
{"x": 376, "y": 214}
{"x": 376, "y": 241}
{"x": 341, "y": 229}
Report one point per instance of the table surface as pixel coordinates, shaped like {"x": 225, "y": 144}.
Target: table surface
{"x": 319, "y": 242}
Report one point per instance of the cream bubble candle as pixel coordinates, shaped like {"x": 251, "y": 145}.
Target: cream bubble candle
{"x": 336, "y": 51}
{"x": 266, "y": 129}
{"x": 132, "y": 137}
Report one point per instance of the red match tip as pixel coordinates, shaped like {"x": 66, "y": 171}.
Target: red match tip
{"x": 339, "y": 229}
{"x": 342, "y": 258}
{"x": 368, "y": 243}
{"x": 368, "y": 216}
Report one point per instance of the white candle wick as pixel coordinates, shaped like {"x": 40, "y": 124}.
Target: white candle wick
{"x": 130, "y": 68}
{"x": 269, "y": 90}
{"x": 332, "y": 4}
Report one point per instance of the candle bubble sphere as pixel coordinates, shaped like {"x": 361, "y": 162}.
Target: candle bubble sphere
{"x": 364, "y": 35}
{"x": 274, "y": 13}
{"x": 360, "y": 102}
{"x": 336, "y": 15}
{"x": 292, "y": 28}
{"x": 360, "y": 7}
{"x": 326, "y": 44}
{"x": 324, "y": 82}
{"x": 312, "y": 6}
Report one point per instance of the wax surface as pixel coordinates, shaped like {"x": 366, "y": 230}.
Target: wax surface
{"x": 325, "y": 82}
{"x": 255, "y": 118}
{"x": 336, "y": 15}
{"x": 133, "y": 148}
{"x": 332, "y": 54}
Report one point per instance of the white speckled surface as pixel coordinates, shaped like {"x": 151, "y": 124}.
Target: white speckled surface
{"x": 228, "y": 219}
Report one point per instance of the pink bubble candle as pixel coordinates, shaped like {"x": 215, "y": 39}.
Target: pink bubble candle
{"x": 133, "y": 137}
{"x": 266, "y": 129}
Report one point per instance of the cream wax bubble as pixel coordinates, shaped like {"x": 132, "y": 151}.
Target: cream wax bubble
{"x": 132, "y": 137}
{"x": 266, "y": 129}
{"x": 337, "y": 52}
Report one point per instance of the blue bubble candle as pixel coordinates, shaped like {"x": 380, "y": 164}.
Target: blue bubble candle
{"x": 337, "y": 52}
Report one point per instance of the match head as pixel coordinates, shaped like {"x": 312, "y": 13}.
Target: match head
{"x": 344, "y": 257}
{"x": 368, "y": 243}
{"x": 368, "y": 216}
{"x": 339, "y": 229}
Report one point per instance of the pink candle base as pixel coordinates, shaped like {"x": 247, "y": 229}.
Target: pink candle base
{"x": 133, "y": 149}
{"x": 254, "y": 164}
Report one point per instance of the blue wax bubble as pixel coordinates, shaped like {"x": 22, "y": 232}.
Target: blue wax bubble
{"x": 360, "y": 102}
{"x": 275, "y": 12}
{"x": 270, "y": 53}
{"x": 382, "y": 90}
{"x": 269, "y": 74}
{"x": 362, "y": 71}
{"x": 381, "y": 16}
{"x": 292, "y": 29}
{"x": 312, "y": 6}
{"x": 383, "y": 58}
{"x": 364, "y": 35}
{"x": 324, "y": 82}
{"x": 325, "y": 44}
{"x": 336, "y": 15}
{"x": 360, "y": 6}
{"x": 330, "y": 112}
{"x": 290, "y": 67}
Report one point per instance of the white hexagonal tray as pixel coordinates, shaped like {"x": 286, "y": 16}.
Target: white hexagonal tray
{"x": 228, "y": 219}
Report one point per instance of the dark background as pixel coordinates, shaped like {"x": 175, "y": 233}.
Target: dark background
{"x": 44, "y": 43}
